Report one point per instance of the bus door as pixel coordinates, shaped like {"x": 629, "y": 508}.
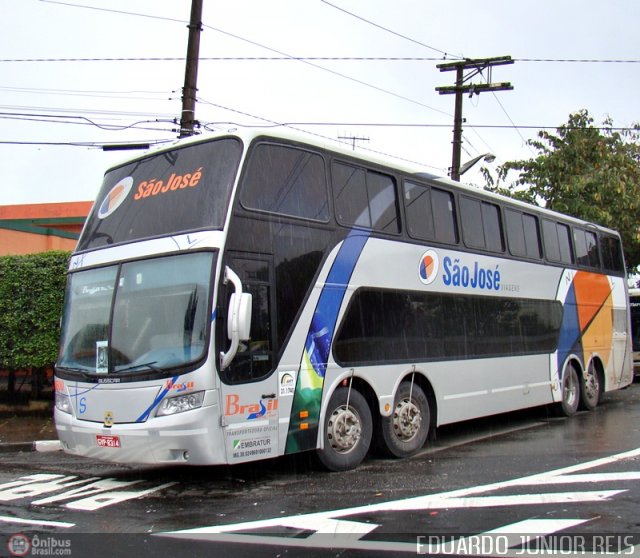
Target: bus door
{"x": 249, "y": 385}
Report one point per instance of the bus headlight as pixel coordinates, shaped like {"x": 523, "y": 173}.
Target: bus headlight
{"x": 180, "y": 404}
{"x": 63, "y": 403}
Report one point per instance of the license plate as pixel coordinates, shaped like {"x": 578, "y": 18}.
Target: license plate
{"x": 108, "y": 441}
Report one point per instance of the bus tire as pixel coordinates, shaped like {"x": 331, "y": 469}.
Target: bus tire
{"x": 570, "y": 392}
{"x": 406, "y": 430}
{"x": 590, "y": 388}
{"x": 348, "y": 428}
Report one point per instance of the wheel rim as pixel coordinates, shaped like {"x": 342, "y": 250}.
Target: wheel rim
{"x": 570, "y": 390}
{"x": 591, "y": 384}
{"x": 344, "y": 429}
{"x": 407, "y": 419}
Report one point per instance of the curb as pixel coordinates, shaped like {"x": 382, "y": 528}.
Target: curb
{"x": 43, "y": 446}
{"x": 10, "y": 447}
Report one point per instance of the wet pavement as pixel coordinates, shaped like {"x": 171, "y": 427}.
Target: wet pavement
{"x": 21, "y": 427}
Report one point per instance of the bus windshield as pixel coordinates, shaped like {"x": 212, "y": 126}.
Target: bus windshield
{"x": 141, "y": 316}
{"x": 170, "y": 192}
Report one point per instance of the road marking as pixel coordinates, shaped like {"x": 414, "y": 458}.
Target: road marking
{"x": 465, "y": 498}
{"x": 87, "y": 494}
{"x": 42, "y": 523}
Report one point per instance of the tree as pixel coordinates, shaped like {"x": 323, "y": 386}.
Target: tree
{"x": 31, "y": 297}
{"x": 590, "y": 172}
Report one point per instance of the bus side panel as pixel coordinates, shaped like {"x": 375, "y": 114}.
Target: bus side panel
{"x": 594, "y": 325}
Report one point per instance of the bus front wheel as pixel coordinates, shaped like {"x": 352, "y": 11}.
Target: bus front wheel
{"x": 347, "y": 430}
{"x": 406, "y": 430}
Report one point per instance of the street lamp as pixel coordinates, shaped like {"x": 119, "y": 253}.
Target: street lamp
{"x": 488, "y": 157}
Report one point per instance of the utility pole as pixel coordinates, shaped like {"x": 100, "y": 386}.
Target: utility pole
{"x": 476, "y": 66}
{"x": 353, "y": 140}
{"x": 188, "y": 116}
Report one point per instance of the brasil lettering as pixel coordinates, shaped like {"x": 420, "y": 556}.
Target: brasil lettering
{"x": 475, "y": 277}
{"x": 251, "y": 411}
{"x": 175, "y": 182}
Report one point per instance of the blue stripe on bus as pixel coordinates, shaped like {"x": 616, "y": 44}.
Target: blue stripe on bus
{"x": 318, "y": 344}
{"x": 144, "y": 416}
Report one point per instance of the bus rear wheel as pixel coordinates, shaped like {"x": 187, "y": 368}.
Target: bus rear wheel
{"x": 570, "y": 392}
{"x": 347, "y": 430}
{"x": 590, "y": 388}
{"x": 406, "y": 430}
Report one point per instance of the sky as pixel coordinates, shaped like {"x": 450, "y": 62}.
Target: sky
{"x": 78, "y": 74}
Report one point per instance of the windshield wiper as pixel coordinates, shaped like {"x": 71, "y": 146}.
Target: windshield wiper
{"x": 149, "y": 365}
{"x": 84, "y": 372}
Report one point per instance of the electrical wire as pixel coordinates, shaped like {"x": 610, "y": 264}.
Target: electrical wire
{"x": 324, "y": 69}
{"x": 307, "y": 58}
{"x": 255, "y": 43}
{"x": 386, "y": 29}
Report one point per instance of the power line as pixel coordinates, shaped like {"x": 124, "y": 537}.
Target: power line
{"x": 121, "y": 12}
{"x": 295, "y": 126}
{"x": 293, "y": 58}
{"x": 328, "y": 70}
{"x": 94, "y": 144}
{"x": 386, "y": 29}
{"x": 255, "y": 43}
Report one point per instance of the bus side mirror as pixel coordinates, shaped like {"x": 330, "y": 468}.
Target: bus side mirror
{"x": 239, "y": 319}
{"x": 242, "y": 318}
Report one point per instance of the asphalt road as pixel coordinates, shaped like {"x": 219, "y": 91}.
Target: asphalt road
{"x": 485, "y": 487}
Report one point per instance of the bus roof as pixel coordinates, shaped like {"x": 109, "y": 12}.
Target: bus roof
{"x": 248, "y": 134}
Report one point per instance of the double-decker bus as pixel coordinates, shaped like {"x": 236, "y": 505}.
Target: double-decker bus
{"x": 248, "y": 295}
{"x": 634, "y": 304}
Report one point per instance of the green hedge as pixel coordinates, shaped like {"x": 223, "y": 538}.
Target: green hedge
{"x": 31, "y": 299}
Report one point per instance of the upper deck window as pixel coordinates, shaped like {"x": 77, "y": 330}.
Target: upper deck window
{"x": 171, "y": 192}
{"x": 365, "y": 198}
{"x": 523, "y": 233}
{"x": 557, "y": 242}
{"x": 287, "y": 181}
{"x": 430, "y": 213}
{"x": 481, "y": 224}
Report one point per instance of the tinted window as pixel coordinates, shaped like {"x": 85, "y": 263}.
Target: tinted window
{"x": 492, "y": 227}
{"x": 481, "y": 224}
{"x": 382, "y": 202}
{"x": 365, "y": 198}
{"x": 286, "y": 181}
{"x": 255, "y": 357}
{"x": 471, "y": 215}
{"x": 444, "y": 217}
{"x": 564, "y": 240}
{"x": 430, "y": 214}
{"x": 592, "y": 249}
{"x": 396, "y": 326}
{"x": 531, "y": 236}
{"x": 586, "y": 248}
{"x": 557, "y": 242}
{"x": 611, "y": 250}
{"x": 171, "y": 192}
{"x": 418, "y": 209}
{"x": 522, "y": 234}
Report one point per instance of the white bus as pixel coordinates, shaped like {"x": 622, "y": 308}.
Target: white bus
{"x": 249, "y": 295}
{"x": 634, "y": 304}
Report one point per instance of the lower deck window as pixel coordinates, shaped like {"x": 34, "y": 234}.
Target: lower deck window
{"x": 396, "y": 326}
